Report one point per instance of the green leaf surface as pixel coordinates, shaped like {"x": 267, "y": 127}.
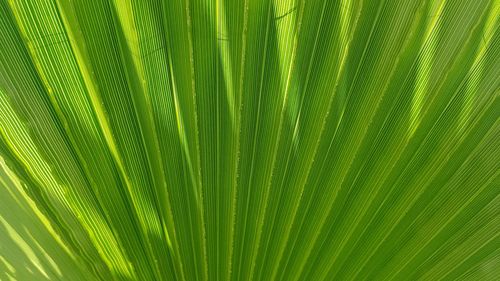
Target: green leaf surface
{"x": 249, "y": 140}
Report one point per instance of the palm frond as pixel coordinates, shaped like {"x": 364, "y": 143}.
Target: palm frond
{"x": 249, "y": 140}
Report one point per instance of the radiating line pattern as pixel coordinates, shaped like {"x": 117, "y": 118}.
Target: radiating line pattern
{"x": 249, "y": 140}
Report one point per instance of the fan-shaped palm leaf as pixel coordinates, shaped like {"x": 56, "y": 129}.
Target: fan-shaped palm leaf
{"x": 249, "y": 140}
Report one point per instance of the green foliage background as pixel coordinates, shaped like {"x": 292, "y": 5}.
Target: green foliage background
{"x": 249, "y": 140}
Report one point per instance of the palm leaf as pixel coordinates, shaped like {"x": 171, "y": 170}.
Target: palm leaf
{"x": 249, "y": 140}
